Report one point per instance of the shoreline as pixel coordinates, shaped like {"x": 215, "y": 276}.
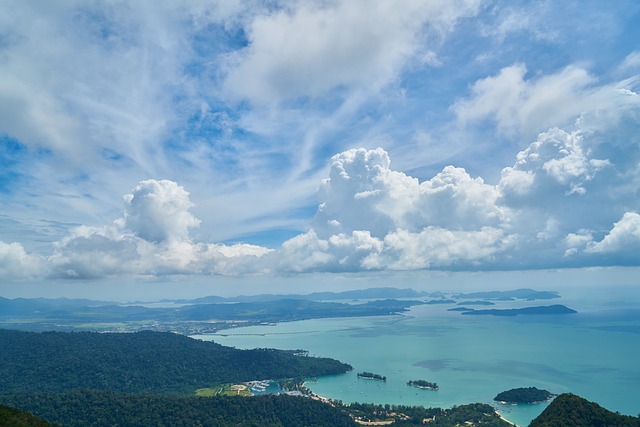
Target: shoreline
{"x": 504, "y": 419}
{"x": 424, "y": 387}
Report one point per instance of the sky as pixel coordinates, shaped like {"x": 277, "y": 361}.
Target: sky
{"x": 250, "y": 141}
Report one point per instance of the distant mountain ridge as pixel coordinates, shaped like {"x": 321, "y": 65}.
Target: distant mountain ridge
{"x": 213, "y": 313}
{"x": 21, "y": 304}
{"x": 523, "y": 294}
{"x": 369, "y": 293}
{"x": 280, "y": 310}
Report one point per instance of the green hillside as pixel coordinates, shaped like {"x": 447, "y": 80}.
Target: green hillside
{"x": 156, "y": 362}
{"x": 569, "y": 410}
{"x": 12, "y": 417}
{"x": 103, "y": 408}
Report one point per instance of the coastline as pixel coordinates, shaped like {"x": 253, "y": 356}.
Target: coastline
{"x": 335, "y": 340}
{"x": 504, "y": 419}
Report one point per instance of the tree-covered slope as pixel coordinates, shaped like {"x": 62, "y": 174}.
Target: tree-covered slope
{"x": 569, "y": 410}
{"x": 104, "y": 408}
{"x": 157, "y": 362}
{"x": 12, "y": 417}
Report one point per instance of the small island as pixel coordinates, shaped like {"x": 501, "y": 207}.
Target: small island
{"x": 539, "y": 310}
{"x": 524, "y": 395}
{"x": 423, "y": 384}
{"x": 371, "y": 376}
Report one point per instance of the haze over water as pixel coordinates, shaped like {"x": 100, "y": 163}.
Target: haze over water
{"x": 593, "y": 353}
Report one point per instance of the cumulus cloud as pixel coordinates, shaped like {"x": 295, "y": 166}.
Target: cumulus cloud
{"x": 364, "y": 193}
{"x": 372, "y": 217}
{"x": 151, "y": 239}
{"x": 433, "y": 247}
{"x": 576, "y": 242}
{"x": 547, "y": 209}
{"x": 312, "y": 47}
{"x": 556, "y": 155}
{"x": 158, "y": 211}
{"x": 16, "y": 263}
{"x": 436, "y": 247}
{"x": 339, "y": 252}
{"x": 624, "y": 236}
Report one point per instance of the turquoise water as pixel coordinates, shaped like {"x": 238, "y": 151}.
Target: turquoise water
{"x": 594, "y": 353}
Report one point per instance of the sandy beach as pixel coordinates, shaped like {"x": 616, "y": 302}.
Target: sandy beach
{"x": 504, "y": 419}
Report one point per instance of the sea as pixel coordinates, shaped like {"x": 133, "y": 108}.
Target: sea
{"x": 594, "y": 353}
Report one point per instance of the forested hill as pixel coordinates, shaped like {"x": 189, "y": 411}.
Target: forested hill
{"x": 569, "y": 410}
{"x": 104, "y": 408}
{"x": 158, "y": 362}
{"x": 12, "y": 417}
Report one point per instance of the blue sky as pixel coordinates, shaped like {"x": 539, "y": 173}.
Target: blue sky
{"x": 177, "y": 141}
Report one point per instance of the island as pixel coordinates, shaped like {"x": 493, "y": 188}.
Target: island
{"x": 524, "y": 395}
{"x": 423, "y": 384}
{"x": 521, "y": 294}
{"x": 476, "y": 303}
{"x": 371, "y": 376}
{"x": 539, "y": 310}
{"x": 440, "y": 301}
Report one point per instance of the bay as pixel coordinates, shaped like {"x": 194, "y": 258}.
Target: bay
{"x": 593, "y": 353}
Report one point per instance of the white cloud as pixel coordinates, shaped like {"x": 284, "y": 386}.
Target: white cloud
{"x": 623, "y": 237}
{"x": 356, "y": 196}
{"x": 546, "y": 210}
{"x": 363, "y": 193}
{"x": 432, "y": 247}
{"x": 565, "y": 187}
{"x": 340, "y": 252}
{"x": 510, "y": 21}
{"x": 372, "y": 217}
{"x": 152, "y": 239}
{"x": 158, "y": 211}
{"x": 543, "y": 211}
{"x": 557, "y": 155}
{"x": 91, "y": 79}
{"x": 631, "y": 62}
{"x": 576, "y": 242}
{"x": 435, "y": 247}
{"x": 16, "y": 263}
{"x": 519, "y": 105}
{"x": 453, "y": 199}
{"x": 312, "y": 47}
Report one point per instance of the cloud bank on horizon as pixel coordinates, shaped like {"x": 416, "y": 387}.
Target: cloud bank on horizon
{"x": 515, "y": 142}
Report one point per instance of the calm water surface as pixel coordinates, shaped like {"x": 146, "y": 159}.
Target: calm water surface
{"x": 594, "y": 353}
